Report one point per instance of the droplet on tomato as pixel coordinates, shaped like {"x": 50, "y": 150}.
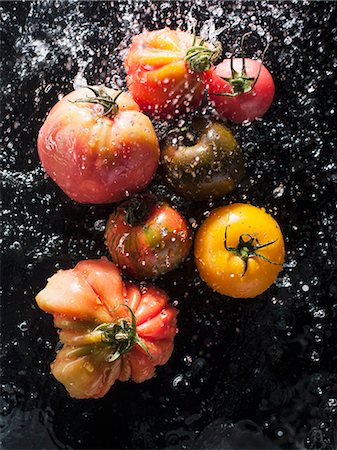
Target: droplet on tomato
{"x": 89, "y": 367}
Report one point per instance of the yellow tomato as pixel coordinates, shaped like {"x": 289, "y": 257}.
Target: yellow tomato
{"x": 239, "y": 250}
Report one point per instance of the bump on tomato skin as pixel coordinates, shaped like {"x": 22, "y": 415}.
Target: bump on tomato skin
{"x": 162, "y": 326}
{"x": 96, "y": 273}
{"x": 246, "y": 106}
{"x": 151, "y": 304}
{"x": 85, "y": 376}
{"x": 68, "y": 294}
{"x": 95, "y": 158}
{"x": 133, "y": 295}
{"x": 158, "y": 77}
{"x": 141, "y": 367}
{"x": 222, "y": 270}
{"x": 125, "y": 373}
{"x": 83, "y": 365}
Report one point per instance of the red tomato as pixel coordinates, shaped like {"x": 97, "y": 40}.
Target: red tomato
{"x": 166, "y": 71}
{"x": 147, "y": 237}
{"x": 109, "y": 330}
{"x": 98, "y": 150}
{"x": 253, "y": 92}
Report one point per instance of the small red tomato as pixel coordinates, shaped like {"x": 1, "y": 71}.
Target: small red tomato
{"x": 241, "y": 89}
{"x": 110, "y": 330}
{"x": 166, "y": 71}
{"x": 97, "y": 146}
{"x": 147, "y": 237}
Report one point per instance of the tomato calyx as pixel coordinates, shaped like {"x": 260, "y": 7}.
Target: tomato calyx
{"x": 138, "y": 209}
{"x": 240, "y": 82}
{"x": 109, "y": 104}
{"x": 200, "y": 57}
{"x": 248, "y": 249}
{"x": 120, "y": 336}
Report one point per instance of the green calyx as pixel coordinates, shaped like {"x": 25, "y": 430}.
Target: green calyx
{"x": 200, "y": 57}
{"x": 120, "y": 336}
{"x": 109, "y": 104}
{"x": 247, "y": 248}
{"x": 240, "y": 82}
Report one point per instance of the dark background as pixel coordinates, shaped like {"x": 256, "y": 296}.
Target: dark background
{"x": 244, "y": 374}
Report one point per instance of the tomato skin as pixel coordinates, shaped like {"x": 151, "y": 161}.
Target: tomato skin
{"x": 209, "y": 166}
{"x": 158, "y": 76}
{"x": 95, "y": 158}
{"x": 245, "y": 106}
{"x": 157, "y": 243}
{"x": 222, "y": 270}
{"x": 82, "y": 364}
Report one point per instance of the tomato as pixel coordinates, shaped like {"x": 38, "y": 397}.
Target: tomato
{"x": 110, "y": 330}
{"x": 239, "y": 250}
{"x": 97, "y": 146}
{"x": 245, "y": 93}
{"x": 147, "y": 237}
{"x": 203, "y": 161}
{"x": 166, "y": 71}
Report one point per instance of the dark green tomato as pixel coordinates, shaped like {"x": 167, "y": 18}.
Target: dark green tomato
{"x": 146, "y": 237}
{"x": 204, "y": 161}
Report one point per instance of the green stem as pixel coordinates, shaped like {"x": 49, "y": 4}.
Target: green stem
{"x": 200, "y": 57}
{"x": 240, "y": 82}
{"x": 109, "y": 104}
{"x": 247, "y": 249}
{"x": 120, "y": 336}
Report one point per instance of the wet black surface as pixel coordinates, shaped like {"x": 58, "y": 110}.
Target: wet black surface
{"x": 244, "y": 374}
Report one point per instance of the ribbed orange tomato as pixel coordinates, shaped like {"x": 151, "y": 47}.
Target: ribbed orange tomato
{"x": 239, "y": 250}
{"x": 110, "y": 330}
{"x": 166, "y": 71}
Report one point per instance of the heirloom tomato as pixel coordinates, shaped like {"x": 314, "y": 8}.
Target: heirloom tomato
{"x": 147, "y": 237}
{"x": 202, "y": 161}
{"x": 241, "y": 88}
{"x": 239, "y": 250}
{"x": 97, "y": 146}
{"x": 166, "y": 70}
{"x": 110, "y": 330}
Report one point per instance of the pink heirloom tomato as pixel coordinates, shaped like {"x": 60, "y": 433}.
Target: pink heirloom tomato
{"x": 110, "y": 330}
{"x": 147, "y": 237}
{"x": 97, "y": 146}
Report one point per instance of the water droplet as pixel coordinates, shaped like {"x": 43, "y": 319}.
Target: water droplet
{"x": 99, "y": 225}
{"x": 23, "y": 326}
{"x": 180, "y": 383}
